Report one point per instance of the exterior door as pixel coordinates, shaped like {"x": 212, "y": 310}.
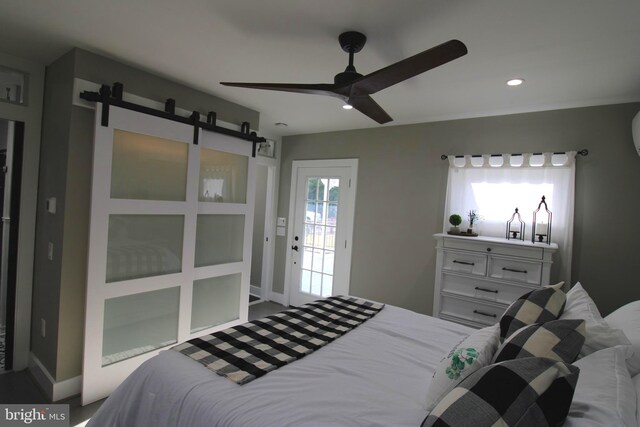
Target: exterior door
{"x": 320, "y": 239}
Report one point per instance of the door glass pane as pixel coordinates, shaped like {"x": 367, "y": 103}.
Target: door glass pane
{"x": 215, "y": 301}
{"x": 319, "y": 243}
{"x": 223, "y": 177}
{"x": 144, "y": 245}
{"x": 219, "y": 239}
{"x": 305, "y": 284}
{"x": 148, "y": 168}
{"x": 139, "y": 323}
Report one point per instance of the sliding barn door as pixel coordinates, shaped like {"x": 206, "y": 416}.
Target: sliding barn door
{"x": 169, "y": 245}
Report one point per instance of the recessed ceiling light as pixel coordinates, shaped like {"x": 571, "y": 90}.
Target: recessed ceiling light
{"x": 515, "y": 82}
{"x": 281, "y": 124}
{"x": 347, "y": 106}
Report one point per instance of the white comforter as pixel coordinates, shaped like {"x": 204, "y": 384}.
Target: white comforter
{"x": 375, "y": 375}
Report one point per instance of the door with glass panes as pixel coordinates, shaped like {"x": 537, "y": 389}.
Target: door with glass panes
{"x": 170, "y": 241}
{"x": 323, "y": 223}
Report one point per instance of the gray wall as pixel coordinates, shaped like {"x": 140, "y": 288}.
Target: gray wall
{"x": 65, "y": 173}
{"x": 402, "y": 186}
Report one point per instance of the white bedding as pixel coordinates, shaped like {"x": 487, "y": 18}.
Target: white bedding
{"x": 375, "y": 375}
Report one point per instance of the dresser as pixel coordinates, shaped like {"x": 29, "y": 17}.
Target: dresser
{"x": 478, "y": 277}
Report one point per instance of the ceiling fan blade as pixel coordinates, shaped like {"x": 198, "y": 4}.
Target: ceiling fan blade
{"x": 367, "y": 106}
{"x": 410, "y": 67}
{"x": 313, "y": 89}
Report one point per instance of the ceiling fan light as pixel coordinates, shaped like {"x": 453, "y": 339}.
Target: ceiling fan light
{"x": 347, "y": 106}
{"x": 515, "y": 82}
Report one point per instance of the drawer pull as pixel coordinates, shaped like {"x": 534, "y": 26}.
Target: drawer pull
{"x": 482, "y": 313}
{"x": 455, "y": 261}
{"x": 514, "y": 270}
{"x": 478, "y": 288}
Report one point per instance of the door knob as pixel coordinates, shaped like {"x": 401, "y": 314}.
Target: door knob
{"x": 295, "y": 248}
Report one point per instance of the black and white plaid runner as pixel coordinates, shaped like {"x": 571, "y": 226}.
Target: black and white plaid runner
{"x": 249, "y": 351}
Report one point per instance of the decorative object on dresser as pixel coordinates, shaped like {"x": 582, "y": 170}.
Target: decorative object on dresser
{"x": 477, "y": 279}
{"x": 515, "y": 230}
{"x": 455, "y": 220}
{"x": 541, "y": 230}
{"x": 473, "y": 217}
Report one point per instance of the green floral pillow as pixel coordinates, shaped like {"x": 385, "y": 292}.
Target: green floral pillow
{"x": 459, "y": 360}
{"x": 474, "y": 352}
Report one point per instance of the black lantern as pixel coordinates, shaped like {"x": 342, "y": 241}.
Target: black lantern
{"x": 515, "y": 230}
{"x": 541, "y": 229}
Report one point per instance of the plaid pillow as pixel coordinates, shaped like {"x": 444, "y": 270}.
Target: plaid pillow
{"x": 559, "y": 340}
{"x": 539, "y": 306}
{"x": 533, "y": 391}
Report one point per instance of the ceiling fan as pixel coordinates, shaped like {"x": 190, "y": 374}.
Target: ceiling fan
{"x": 354, "y": 89}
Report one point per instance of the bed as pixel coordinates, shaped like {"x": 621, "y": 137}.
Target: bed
{"x": 378, "y": 374}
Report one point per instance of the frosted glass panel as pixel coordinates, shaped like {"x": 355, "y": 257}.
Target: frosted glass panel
{"x": 139, "y": 323}
{"x": 215, "y": 301}
{"x": 148, "y": 168}
{"x": 143, "y": 246}
{"x": 223, "y": 177}
{"x": 219, "y": 239}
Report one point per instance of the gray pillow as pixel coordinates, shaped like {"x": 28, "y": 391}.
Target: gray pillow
{"x": 532, "y": 391}
{"x": 539, "y": 306}
{"x": 559, "y": 340}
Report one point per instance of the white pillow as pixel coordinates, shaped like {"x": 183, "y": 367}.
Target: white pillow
{"x": 473, "y": 353}
{"x": 605, "y": 394}
{"x": 599, "y": 334}
{"x": 627, "y": 319}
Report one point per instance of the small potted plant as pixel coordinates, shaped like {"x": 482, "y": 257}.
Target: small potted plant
{"x": 455, "y": 220}
{"x": 474, "y": 216}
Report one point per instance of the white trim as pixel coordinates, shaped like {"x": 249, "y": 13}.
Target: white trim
{"x": 278, "y": 298}
{"x": 256, "y": 291}
{"x": 296, "y": 165}
{"x": 55, "y": 391}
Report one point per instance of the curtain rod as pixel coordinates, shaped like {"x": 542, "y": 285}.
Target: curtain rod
{"x": 583, "y": 152}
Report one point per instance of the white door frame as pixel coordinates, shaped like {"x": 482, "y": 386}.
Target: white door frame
{"x": 268, "y": 240}
{"x": 350, "y": 210}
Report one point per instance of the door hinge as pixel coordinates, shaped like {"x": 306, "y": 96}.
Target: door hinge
{"x": 345, "y": 244}
{"x": 349, "y": 182}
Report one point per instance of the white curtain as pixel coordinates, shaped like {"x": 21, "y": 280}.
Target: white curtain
{"x": 495, "y": 185}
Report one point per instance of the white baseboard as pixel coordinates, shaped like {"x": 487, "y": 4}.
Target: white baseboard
{"x": 255, "y": 290}
{"x": 54, "y": 391}
{"x": 277, "y": 298}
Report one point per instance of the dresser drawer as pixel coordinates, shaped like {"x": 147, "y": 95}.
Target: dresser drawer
{"x": 464, "y": 262}
{"x": 493, "y": 248}
{"x": 515, "y": 270}
{"x": 502, "y": 293}
{"x": 472, "y": 311}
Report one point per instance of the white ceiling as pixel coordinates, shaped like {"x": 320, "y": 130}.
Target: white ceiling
{"x": 571, "y": 52}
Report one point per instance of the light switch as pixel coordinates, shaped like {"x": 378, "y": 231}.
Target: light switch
{"x": 282, "y": 222}
{"x": 281, "y": 231}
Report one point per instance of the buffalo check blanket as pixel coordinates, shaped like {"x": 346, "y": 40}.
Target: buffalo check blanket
{"x": 249, "y": 351}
